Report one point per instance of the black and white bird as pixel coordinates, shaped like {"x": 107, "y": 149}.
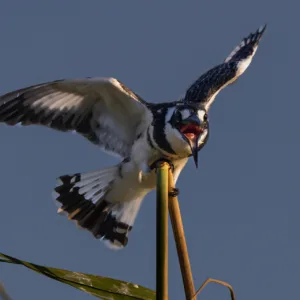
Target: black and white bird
{"x": 110, "y": 115}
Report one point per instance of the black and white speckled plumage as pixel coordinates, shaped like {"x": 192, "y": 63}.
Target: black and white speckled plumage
{"x": 110, "y": 115}
{"x": 210, "y": 83}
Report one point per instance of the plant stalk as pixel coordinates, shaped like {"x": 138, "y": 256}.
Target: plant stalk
{"x": 209, "y": 280}
{"x": 3, "y": 293}
{"x": 162, "y": 170}
{"x": 180, "y": 241}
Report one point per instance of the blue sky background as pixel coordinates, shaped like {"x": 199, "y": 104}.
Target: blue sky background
{"x": 240, "y": 209}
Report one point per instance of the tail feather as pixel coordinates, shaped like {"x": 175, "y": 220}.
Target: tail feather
{"x": 83, "y": 198}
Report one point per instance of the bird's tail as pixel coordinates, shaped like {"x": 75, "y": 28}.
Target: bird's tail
{"x": 82, "y": 198}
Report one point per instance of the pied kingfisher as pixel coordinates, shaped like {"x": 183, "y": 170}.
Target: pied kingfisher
{"x": 110, "y": 115}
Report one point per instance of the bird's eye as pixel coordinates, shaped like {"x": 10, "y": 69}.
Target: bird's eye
{"x": 205, "y": 117}
{"x": 178, "y": 116}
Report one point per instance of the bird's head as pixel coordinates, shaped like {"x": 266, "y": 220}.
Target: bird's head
{"x": 189, "y": 125}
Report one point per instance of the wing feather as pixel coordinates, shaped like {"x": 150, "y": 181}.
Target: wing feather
{"x": 207, "y": 86}
{"x": 103, "y": 110}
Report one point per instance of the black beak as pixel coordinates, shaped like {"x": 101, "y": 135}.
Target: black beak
{"x": 194, "y": 148}
{"x": 194, "y": 119}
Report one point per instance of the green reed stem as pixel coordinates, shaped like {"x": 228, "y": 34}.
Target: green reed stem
{"x": 162, "y": 231}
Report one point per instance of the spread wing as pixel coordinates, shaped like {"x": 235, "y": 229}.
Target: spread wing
{"x": 205, "y": 89}
{"x": 101, "y": 109}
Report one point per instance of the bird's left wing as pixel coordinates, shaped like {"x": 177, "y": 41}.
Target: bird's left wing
{"x": 205, "y": 89}
{"x": 103, "y": 110}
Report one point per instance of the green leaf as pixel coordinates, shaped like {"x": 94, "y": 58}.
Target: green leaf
{"x": 100, "y": 287}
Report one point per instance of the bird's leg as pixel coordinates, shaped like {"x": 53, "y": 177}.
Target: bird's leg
{"x": 146, "y": 169}
{"x": 161, "y": 160}
{"x": 175, "y": 191}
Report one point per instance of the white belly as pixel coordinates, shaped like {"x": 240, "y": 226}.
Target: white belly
{"x": 136, "y": 180}
{"x": 129, "y": 187}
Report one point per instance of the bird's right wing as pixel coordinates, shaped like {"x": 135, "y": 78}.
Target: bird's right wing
{"x": 205, "y": 89}
{"x": 101, "y": 109}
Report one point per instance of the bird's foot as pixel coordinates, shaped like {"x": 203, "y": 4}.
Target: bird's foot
{"x": 161, "y": 160}
{"x": 174, "y": 192}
